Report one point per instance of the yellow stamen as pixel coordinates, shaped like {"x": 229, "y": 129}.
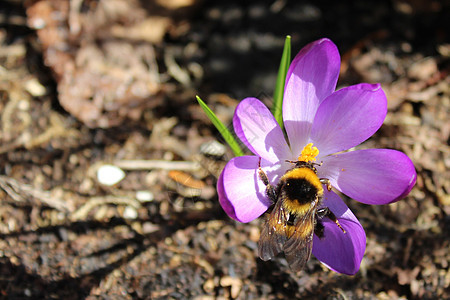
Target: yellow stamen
{"x": 309, "y": 153}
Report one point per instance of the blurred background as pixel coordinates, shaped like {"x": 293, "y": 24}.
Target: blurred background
{"x": 108, "y": 165}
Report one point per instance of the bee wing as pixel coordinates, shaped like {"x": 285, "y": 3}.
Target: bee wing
{"x": 297, "y": 248}
{"x": 273, "y": 234}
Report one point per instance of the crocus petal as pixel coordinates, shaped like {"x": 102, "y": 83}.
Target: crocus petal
{"x": 241, "y": 192}
{"x": 341, "y": 252}
{"x": 372, "y": 176}
{"x": 257, "y": 128}
{"x": 312, "y": 76}
{"x": 348, "y": 117}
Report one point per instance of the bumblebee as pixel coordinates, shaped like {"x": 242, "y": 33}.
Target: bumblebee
{"x": 296, "y": 214}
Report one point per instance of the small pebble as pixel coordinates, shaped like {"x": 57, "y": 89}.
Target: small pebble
{"x": 145, "y": 196}
{"x": 130, "y": 213}
{"x": 213, "y": 148}
{"x": 35, "y": 88}
{"x": 110, "y": 175}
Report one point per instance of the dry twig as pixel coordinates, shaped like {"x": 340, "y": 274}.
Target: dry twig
{"x": 20, "y": 192}
{"x": 82, "y": 212}
{"x": 157, "y": 164}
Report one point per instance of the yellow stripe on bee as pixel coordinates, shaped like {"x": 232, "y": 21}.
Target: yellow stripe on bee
{"x": 307, "y": 174}
{"x": 296, "y": 208}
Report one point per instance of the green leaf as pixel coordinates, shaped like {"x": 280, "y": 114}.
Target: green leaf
{"x": 227, "y": 135}
{"x": 281, "y": 78}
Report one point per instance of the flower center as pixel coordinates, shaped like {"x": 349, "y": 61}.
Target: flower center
{"x": 309, "y": 153}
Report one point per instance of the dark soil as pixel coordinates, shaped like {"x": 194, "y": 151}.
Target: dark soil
{"x": 89, "y": 83}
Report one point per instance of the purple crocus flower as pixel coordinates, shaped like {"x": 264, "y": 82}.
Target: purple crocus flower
{"x": 333, "y": 121}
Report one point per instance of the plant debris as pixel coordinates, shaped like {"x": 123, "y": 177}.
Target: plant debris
{"x": 87, "y": 83}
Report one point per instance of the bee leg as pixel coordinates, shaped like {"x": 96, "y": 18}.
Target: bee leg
{"x": 326, "y": 181}
{"x": 317, "y": 164}
{"x": 270, "y": 190}
{"x": 326, "y": 212}
{"x": 319, "y": 228}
